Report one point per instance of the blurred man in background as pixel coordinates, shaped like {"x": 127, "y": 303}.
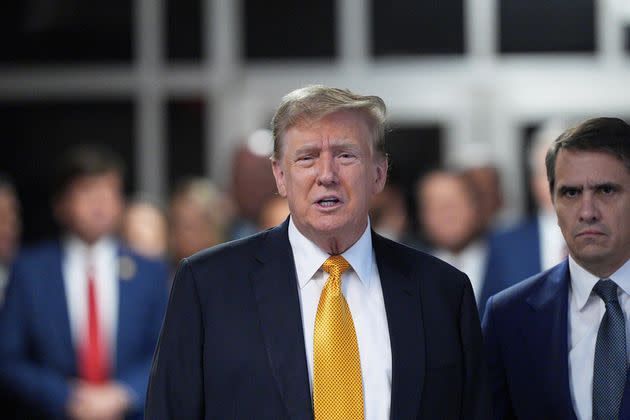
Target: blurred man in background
{"x": 144, "y": 228}
{"x": 449, "y": 212}
{"x": 200, "y": 215}
{"x": 82, "y": 314}
{"x": 537, "y": 243}
{"x": 10, "y": 229}
{"x": 388, "y": 215}
{"x": 273, "y": 213}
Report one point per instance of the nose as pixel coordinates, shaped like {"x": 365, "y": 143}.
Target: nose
{"x": 589, "y": 212}
{"x": 327, "y": 170}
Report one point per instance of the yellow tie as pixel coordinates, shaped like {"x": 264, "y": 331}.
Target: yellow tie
{"x": 337, "y": 383}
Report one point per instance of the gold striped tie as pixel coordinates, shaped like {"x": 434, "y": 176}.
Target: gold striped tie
{"x": 337, "y": 383}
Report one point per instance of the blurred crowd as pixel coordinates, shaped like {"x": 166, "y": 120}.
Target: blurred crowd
{"x": 457, "y": 210}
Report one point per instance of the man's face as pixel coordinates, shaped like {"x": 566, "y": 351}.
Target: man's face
{"x": 92, "y": 205}
{"x": 447, "y": 212}
{"x": 592, "y": 199}
{"x": 329, "y": 172}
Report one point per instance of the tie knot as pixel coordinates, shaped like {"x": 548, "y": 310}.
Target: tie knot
{"x": 335, "y": 265}
{"x": 607, "y": 290}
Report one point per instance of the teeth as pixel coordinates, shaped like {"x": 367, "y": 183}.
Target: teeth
{"x": 328, "y": 202}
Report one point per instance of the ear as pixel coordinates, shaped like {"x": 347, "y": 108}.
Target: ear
{"x": 380, "y": 175}
{"x": 278, "y": 174}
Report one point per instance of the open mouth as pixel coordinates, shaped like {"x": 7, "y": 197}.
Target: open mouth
{"x": 328, "y": 202}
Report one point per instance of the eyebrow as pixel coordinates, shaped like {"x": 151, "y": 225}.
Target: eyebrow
{"x": 612, "y": 185}
{"x": 335, "y": 145}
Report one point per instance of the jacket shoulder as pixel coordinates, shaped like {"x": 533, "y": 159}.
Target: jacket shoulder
{"x": 521, "y": 291}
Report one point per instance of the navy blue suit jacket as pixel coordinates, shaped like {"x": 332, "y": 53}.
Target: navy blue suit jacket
{"x": 525, "y": 331}
{"x": 232, "y": 345}
{"x": 37, "y": 357}
{"x": 513, "y": 256}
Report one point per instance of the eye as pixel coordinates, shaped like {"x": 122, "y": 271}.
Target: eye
{"x": 607, "y": 189}
{"x": 305, "y": 160}
{"x": 346, "y": 156}
{"x": 570, "y": 192}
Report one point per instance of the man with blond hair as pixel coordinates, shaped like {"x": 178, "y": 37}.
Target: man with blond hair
{"x": 320, "y": 317}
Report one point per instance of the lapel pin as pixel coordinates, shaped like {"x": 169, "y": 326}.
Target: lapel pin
{"x": 127, "y": 268}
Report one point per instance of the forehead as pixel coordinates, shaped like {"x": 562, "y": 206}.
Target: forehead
{"x": 584, "y": 167}
{"x": 345, "y": 126}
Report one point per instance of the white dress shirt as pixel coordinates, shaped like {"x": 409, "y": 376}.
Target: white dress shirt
{"x": 103, "y": 256}
{"x": 471, "y": 260}
{"x": 553, "y": 248}
{"x": 586, "y": 311}
{"x": 361, "y": 286}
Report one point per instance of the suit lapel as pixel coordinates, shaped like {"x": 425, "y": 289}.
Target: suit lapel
{"x": 54, "y": 294}
{"x": 549, "y": 336}
{"x": 276, "y": 291}
{"x": 129, "y": 292}
{"x": 404, "y": 319}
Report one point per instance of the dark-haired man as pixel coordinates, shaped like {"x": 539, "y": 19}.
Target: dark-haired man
{"x": 557, "y": 342}
{"x": 82, "y": 314}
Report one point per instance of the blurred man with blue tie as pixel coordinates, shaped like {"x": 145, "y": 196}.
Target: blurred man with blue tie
{"x": 320, "y": 317}
{"x": 557, "y": 342}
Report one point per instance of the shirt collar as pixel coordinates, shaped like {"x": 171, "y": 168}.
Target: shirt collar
{"x": 309, "y": 257}
{"x": 76, "y": 247}
{"x": 582, "y": 281}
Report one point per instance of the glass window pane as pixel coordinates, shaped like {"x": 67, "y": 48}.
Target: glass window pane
{"x": 186, "y": 138}
{"x": 289, "y": 29}
{"x": 410, "y": 27}
{"x": 65, "y": 31}
{"x": 547, "y": 26}
{"x": 183, "y": 26}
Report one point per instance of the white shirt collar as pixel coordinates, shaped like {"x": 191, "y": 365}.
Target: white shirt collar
{"x": 309, "y": 257}
{"x": 582, "y": 281}
{"x": 75, "y": 247}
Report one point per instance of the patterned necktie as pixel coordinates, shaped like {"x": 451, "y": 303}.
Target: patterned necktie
{"x": 609, "y": 368}
{"x": 337, "y": 382}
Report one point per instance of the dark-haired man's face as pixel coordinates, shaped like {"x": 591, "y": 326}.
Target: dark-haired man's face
{"x": 592, "y": 200}
{"x": 91, "y": 206}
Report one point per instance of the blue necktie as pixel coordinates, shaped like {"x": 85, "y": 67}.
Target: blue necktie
{"x": 609, "y": 368}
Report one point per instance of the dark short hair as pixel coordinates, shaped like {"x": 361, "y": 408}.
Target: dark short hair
{"x": 84, "y": 160}
{"x": 603, "y": 134}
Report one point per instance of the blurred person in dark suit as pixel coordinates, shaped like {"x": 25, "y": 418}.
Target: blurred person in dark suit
{"x": 449, "y": 212}
{"x": 320, "y": 317}
{"x": 144, "y": 228}
{"x": 10, "y": 230}
{"x": 537, "y": 243}
{"x": 82, "y": 314}
{"x": 557, "y": 342}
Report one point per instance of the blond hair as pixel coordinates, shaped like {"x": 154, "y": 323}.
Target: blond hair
{"x": 314, "y": 102}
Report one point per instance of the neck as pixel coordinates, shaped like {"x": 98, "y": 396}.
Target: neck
{"x": 602, "y": 270}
